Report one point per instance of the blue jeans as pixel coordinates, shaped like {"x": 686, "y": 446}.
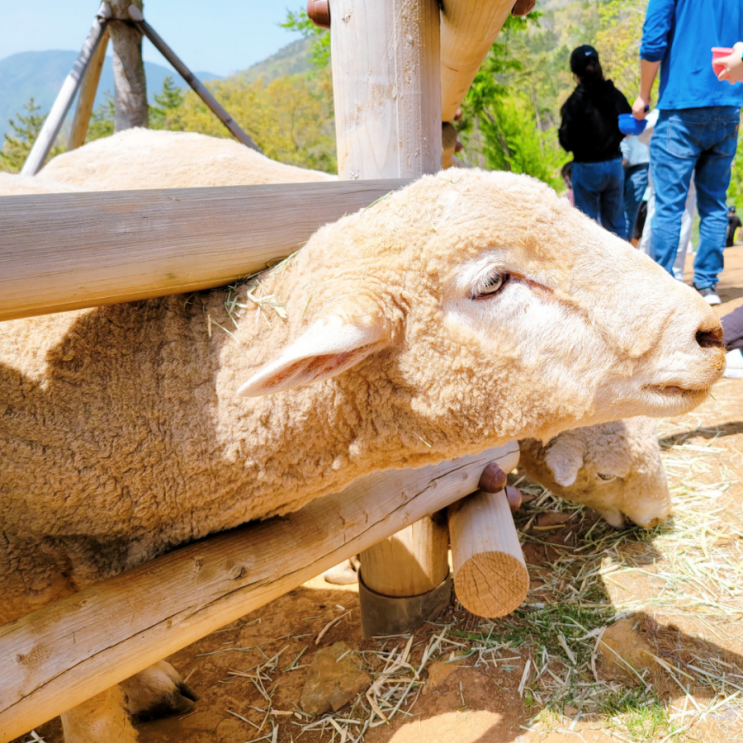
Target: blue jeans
{"x": 703, "y": 141}
{"x": 599, "y": 193}
{"x": 635, "y": 184}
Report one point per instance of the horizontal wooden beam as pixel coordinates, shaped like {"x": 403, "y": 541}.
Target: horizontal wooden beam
{"x": 468, "y": 30}
{"x": 67, "y": 251}
{"x": 65, "y": 653}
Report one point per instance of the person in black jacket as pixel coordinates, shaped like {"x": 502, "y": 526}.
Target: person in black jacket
{"x": 590, "y": 130}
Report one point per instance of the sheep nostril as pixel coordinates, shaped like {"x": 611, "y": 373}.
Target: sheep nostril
{"x": 710, "y": 338}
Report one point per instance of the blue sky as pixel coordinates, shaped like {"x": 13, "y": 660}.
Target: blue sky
{"x": 219, "y": 37}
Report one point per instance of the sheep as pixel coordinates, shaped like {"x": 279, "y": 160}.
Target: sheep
{"x": 143, "y": 158}
{"x": 461, "y": 312}
{"x": 614, "y": 468}
{"x": 23, "y": 185}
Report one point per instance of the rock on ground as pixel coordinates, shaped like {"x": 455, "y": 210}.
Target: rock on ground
{"x": 335, "y": 678}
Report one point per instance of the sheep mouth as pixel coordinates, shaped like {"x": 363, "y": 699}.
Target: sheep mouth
{"x": 676, "y": 390}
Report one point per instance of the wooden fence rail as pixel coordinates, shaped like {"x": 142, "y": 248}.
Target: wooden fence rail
{"x": 66, "y": 251}
{"x": 62, "y": 654}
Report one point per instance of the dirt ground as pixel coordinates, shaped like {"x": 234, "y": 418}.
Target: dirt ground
{"x": 625, "y": 635}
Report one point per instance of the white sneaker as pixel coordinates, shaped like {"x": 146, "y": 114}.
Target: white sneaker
{"x": 709, "y": 295}
{"x": 734, "y": 364}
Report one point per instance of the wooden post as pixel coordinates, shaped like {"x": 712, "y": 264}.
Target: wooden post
{"x": 468, "y": 30}
{"x": 48, "y": 134}
{"x": 88, "y": 90}
{"x": 202, "y": 91}
{"x": 490, "y": 575}
{"x": 64, "y": 653}
{"x": 65, "y": 251}
{"x": 386, "y": 85}
{"x": 130, "y": 98}
{"x": 385, "y": 56}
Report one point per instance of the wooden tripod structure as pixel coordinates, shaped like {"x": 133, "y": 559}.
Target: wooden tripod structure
{"x": 85, "y": 76}
{"x": 400, "y": 67}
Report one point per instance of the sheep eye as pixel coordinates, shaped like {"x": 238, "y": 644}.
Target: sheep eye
{"x": 490, "y": 285}
{"x": 606, "y": 478}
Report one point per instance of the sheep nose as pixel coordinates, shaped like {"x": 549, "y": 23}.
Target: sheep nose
{"x": 710, "y": 336}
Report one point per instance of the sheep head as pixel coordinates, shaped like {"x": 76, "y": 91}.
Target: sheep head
{"x": 481, "y": 307}
{"x": 614, "y": 468}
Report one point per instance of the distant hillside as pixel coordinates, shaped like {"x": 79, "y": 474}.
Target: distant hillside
{"x": 292, "y": 59}
{"x": 40, "y": 74}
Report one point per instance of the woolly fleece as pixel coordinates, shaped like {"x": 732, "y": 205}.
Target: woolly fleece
{"x": 22, "y": 185}
{"x": 615, "y": 468}
{"x": 143, "y": 158}
{"x": 122, "y": 435}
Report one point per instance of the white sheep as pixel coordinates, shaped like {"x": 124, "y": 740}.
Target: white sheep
{"x": 614, "y": 468}
{"x": 23, "y": 185}
{"x": 143, "y": 158}
{"x": 464, "y": 311}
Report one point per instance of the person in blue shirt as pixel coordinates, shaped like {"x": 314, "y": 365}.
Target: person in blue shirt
{"x": 697, "y": 129}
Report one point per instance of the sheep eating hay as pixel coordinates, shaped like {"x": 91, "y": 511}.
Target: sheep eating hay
{"x": 464, "y": 311}
{"x": 614, "y": 467}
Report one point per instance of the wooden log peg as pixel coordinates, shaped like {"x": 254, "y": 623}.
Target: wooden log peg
{"x": 318, "y": 11}
{"x": 490, "y": 575}
{"x": 523, "y": 7}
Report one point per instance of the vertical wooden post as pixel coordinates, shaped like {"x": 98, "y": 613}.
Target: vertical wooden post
{"x": 130, "y": 97}
{"x": 386, "y": 85}
{"x": 88, "y": 89}
{"x": 48, "y": 134}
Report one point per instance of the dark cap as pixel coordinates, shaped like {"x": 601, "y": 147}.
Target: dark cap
{"x": 580, "y": 58}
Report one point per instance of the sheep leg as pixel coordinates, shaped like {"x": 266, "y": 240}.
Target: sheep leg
{"x": 157, "y": 692}
{"x": 102, "y": 719}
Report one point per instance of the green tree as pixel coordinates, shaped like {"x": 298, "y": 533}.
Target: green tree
{"x": 300, "y": 21}
{"x": 25, "y": 129}
{"x": 166, "y": 114}
{"x": 503, "y": 126}
{"x": 618, "y": 41}
{"x": 102, "y": 119}
{"x": 735, "y": 192}
{"x": 289, "y": 118}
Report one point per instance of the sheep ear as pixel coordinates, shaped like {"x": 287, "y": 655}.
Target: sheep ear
{"x": 565, "y": 458}
{"x": 324, "y": 350}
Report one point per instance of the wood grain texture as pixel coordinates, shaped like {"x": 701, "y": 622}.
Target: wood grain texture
{"x": 409, "y": 563}
{"x": 490, "y": 575}
{"x": 54, "y": 120}
{"x": 65, "y": 251}
{"x": 468, "y": 30}
{"x": 385, "y": 56}
{"x": 65, "y": 653}
{"x": 130, "y": 85}
{"x": 88, "y": 90}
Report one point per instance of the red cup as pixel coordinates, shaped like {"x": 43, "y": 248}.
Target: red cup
{"x": 718, "y": 52}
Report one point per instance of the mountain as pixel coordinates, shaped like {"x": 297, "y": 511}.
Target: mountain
{"x": 291, "y": 59}
{"x": 40, "y": 74}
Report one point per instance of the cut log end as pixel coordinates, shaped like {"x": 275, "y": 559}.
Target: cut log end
{"x": 492, "y": 584}
{"x": 490, "y": 575}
